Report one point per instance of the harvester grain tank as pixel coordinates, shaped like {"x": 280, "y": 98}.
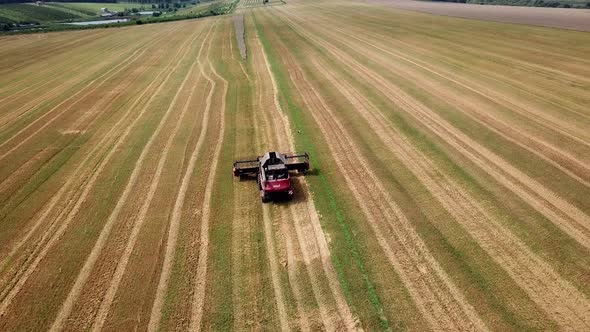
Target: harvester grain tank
{"x": 272, "y": 172}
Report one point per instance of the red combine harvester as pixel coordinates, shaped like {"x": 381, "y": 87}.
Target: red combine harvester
{"x": 272, "y": 171}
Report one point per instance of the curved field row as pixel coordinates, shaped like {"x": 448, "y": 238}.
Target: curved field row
{"x": 126, "y": 126}
{"x": 101, "y": 242}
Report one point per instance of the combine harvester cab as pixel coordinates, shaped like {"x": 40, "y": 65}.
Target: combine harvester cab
{"x": 272, "y": 173}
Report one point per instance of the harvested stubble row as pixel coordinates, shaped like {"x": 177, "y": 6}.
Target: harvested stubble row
{"x": 449, "y": 192}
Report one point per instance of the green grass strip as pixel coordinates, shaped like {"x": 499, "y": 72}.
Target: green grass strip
{"x": 326, "y": 192}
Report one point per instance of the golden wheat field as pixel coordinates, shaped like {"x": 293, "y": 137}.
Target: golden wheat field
{"x": 449, "y": 190}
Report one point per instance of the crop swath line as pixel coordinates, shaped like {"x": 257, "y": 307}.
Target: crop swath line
{"x": 296, "y": 116}
{"x": 274, "y": 128}
{"x": 274, "y": 267}
{"x": 104, "y": 234}
{"x": 548, "y": 71}
{"x": 540, "y": 94}
{"x": 93, "y": 114}
{"x": 501, "y": 44}
{"x": 532, "y": 274}
{"x": 26, "y": 271}
{"x": 62, "y": 46}
{"x": 467, "y": 83}
{"x": 292, "y": 265}
{"x": 520, "y": 109}
{"x": 96, "y": 151}
{"x": 540, "y": 118}
{"x": 13, "y": 115}
{"x": 171, "y": 243}
{"x": 9, "y": 293}
{"x": 91, "y": 84}
{"x": 560, "y": 159}
{"x": 100, "y": 243}
{"x": 279, "y": 134}
{"x": 58, "y": 71}
{"x": 246, "y": 297}
{"x": 244, "y": 256}
{"x": 32, "y": 105}
{"x": 78, "y": 125}
{"x": 437, "y": 315}
{"x": 201, "y": 273}
{"x": 566, "y": 216}
{"x": 103, "y": 78}
{"x": 141, "y": 218}
{"x": 536, "y": 277}
{"x": 316, "y": 245}
{"x": 271, "y": 250}
{"x": 440, "y": 309}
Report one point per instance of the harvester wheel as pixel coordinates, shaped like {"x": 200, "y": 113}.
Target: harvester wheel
{"x": 263, "y": 197}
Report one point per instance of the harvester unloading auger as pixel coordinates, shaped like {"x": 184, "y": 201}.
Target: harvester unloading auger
{"x": 272, "y": 172}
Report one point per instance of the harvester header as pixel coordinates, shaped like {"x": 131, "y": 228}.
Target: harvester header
{"x": 272, "y": 172}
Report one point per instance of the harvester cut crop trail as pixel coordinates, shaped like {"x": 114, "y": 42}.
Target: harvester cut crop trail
{"x": 272, "y": 172}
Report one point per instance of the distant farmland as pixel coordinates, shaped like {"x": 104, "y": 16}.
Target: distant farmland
{"x": 565, "y": 18}
{"x": 13, "y": 13}
{"x": 450, "y": 184}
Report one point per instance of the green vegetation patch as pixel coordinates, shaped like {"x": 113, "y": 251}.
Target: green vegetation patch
{"x": 30, "y": 13}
